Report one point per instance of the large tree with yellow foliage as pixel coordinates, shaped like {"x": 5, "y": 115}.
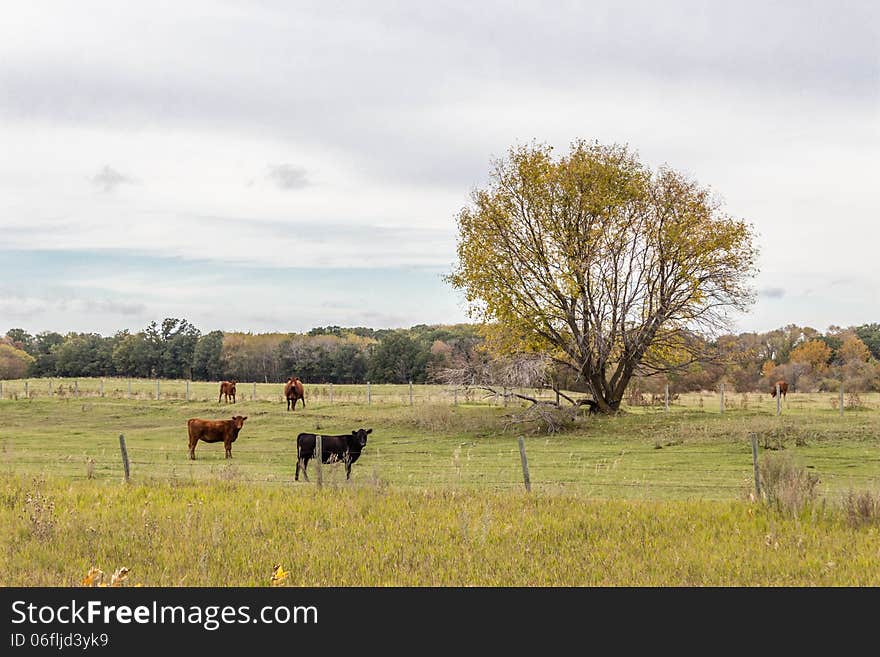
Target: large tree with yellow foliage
{"x": 599, "y": 262}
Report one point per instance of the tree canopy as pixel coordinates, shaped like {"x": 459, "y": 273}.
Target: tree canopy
{"x": 606, "y": 266}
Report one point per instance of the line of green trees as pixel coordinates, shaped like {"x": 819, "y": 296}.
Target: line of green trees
{"x": 808, "y": 359}
{"x": 176, "y": 349}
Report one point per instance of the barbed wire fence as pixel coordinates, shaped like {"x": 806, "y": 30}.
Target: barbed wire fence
{"x": 416, "y": 464}
{"x": 719, "y": 401}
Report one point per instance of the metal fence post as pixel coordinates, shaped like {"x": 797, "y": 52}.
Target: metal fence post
{"x": 410, "y": 394}
{"x": 157, "y": 389}
{"x": 369, "y": 397}
{"x": 187, "y": 391}
{"x": 722, "y": 397}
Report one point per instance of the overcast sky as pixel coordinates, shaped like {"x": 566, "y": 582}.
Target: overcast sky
{"x": 276, "y": 165}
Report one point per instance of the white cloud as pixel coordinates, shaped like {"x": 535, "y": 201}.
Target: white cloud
{"x": 349, "y": 135}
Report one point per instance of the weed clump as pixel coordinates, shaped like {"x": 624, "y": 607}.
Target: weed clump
{"x": 786, "y": 485}
{"x": 862, "y": 509}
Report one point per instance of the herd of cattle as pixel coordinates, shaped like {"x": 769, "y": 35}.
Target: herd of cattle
{"x": 344, "y": 448}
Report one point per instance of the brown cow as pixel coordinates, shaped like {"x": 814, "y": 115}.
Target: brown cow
{"x": 293, "y": 390}
{"x": 214, "y": 431}
{"x": 783, "y": 389}
{"x": 227, "y": 388}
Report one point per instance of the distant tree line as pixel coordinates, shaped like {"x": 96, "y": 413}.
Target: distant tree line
{"x": 176, "y": 349}
{"x": 808, "y": 359}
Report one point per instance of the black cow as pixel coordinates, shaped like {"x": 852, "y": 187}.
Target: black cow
{"x": 346, "y": 448}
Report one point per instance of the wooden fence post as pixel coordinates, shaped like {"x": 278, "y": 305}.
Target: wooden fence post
{"x": 124, "y": 456}
{"x": 319, "y": 452}
{"x": 667, "y": 398}
{"x": 525, "y": 463}
{"x": 26, "y": 393}
{"x": 841, "y": 399}
{"x": 410, "y": 394}
{"x": 557, "y": 399}
{"x": 369, "y": 397}
{"x": 722, "y": 398}
{"x": 778, "y": 401}
{"x": 754, "y": 437}
{"x": 157, "y": 389}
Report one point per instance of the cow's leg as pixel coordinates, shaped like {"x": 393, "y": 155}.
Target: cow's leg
{"x": 305, "y": 465}
{"x": 347, "y": 469}
{"x": 228, "y": 447}
{"x": 220, "y": 398}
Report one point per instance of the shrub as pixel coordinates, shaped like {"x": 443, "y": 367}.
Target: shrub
{"x": 786, "y": 485}
{"x": 862, "y": 508}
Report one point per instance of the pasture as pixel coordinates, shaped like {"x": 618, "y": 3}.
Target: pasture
{"x": 437, "y": 498}
{"x": 694, "y": 452}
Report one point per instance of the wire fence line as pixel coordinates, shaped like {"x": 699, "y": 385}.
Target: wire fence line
{"x": 551, "y": 469}
{"x": 206, "y": 391}
{"x": 708, "y": 401}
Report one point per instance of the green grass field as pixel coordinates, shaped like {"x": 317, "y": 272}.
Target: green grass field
{"x": 640, "y": 499}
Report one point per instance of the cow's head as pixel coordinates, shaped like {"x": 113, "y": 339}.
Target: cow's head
{"x": 238, "y": 421}
{"x": 359, "y": 437}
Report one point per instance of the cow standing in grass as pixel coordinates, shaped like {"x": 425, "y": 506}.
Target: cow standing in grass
{"x": 214, "y": 431}
{"x": 227, "y": 388}
{"x": 293, "y": 390}
{"x": 346, "y": 448}
{"x": 782, "y": 386}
